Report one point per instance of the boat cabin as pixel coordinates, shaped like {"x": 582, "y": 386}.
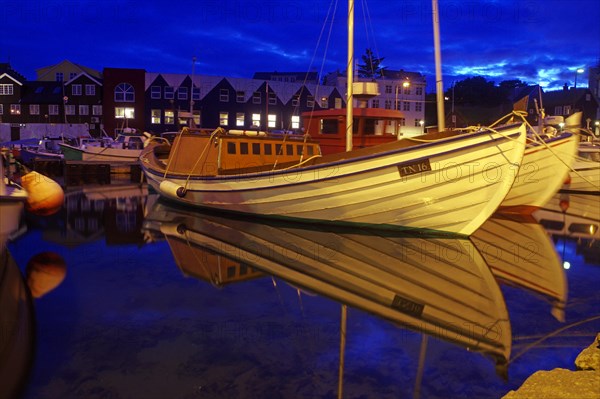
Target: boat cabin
{"x": 371, "y": 126}
{"x": 197, "y": 152}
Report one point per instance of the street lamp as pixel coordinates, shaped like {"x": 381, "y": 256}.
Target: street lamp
{"x": 577, "y": 72}
{"x": 422, "y": 123}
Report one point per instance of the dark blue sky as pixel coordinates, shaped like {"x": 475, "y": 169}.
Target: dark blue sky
{"x": 537, "y": 41}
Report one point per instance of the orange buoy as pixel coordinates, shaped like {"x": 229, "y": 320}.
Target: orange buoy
{"x": 44, "y": 195}
{"x": 45, "y": 271}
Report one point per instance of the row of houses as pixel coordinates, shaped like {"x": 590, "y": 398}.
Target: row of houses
{"x": 116, "y": 98}
{"x": 68, "y": 94}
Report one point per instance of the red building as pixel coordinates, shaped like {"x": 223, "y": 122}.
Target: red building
{"x": 123, "y": 103}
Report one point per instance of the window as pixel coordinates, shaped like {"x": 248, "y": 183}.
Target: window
{"x": 419, "y": 91}
{"x": 338, "y": 103}
{"x": 407, "y": 90}
{"x": 15, "y": 109}
{"x": 256, "y": 148}
{"x": 124, "y": 113}
{"x": 295, "y": 122}
{"x": 169, "y": 117}
{"x": 388, "y": 104}
{"x": 324, "y": 102}
{"x": 272, "y": 120}
{"x": 295, "y": 100}
{"x": 231, "y": 148}
{"x": 196, "y": 117}
{"x": 566, "y": 110}
{"x": 418, "y": 106}
{"x": 223, "y": 118}
{"x": 84, "y": 110}
{"x": 124, "y": 92}
{"x": 155, "y": 92}
{"x": 244, "y": 148}
{"x": 224, "y": 95}
{"x": 402, "y": 122}
{"x": 96, "y": 109}
{"x": 256, "y": 120}
{"x": 375, "y": 103}
{"x": 76, "y": 90}
{"x": 310, "y": 101}
{"x": 34, "y": 109}
{"x": 53, "y": 109}
{"x": 6, "y": 89}
{"x": 268, "y": 149}
{"x": 70, "y": 109}
{"x": 155, "y": 116}
{"x": 196, "y": 93}
{"x": 59, "y": 76}
{"x": 1, "y": 109}
{"x": 169, "y": 92}
{"x": 182, "y": 93}
{"x": 256, "y": 98}
{"x": 239, "y": 119}
{"x": 289, "y": 149}
{"x": 299, "y": 149}
{"x": 417, "y": 122}
{"x": 558, "y": 110}
{"x": 72, "y": 75}
{"x": 272, "y": 99}
{"x": 406, "y": 106}
{"x": 239, "y": 96}
{"x": 90, "y": 90}
{"x": 388, "y": 89}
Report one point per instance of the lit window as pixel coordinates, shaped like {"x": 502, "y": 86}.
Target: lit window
{"x": 155, "y": 116}
{"x": 239, "y": 119}
{"x": 34, "y": 109}
{"x": 295, "y": 122}
{"x": 76, "y": 90}
{"x": 223, "y": 118}
{"x": 256, "y": 120}
{"x": 124, "y": 112}
{"x": 324, "y": 102}
{"x": 124, "y": 92}
{"x": 169, "y": 117}
{"x": 272, "y": 120}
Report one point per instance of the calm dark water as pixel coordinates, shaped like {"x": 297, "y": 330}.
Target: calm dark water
{"x": 123, "y": 312}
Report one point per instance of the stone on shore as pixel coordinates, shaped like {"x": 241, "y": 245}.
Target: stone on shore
{"x": 589, "y": 358}
{"x": 559, "y": 383}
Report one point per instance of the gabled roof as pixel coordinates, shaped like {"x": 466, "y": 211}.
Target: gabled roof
{"x": 42, "y": 92}
{"x": 6, "y": 75}
{"x": 43, "y": 72}
{"x": 86, "y": 75}
{"x": 560, "y": 97}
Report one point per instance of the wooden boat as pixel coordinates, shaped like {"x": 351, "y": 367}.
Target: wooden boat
{"x": 519, "y": 252}
{"x": 448, "y": 182}
{"x": 125, "y": 148}
{"x": 440, "y": 286}
{"x": 545, "y": 166}
{"x": 48, "y": 148}
{"x": 12, "y": 199}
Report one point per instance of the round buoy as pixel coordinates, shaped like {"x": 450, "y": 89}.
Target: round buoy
{"x": 45, "y": 271}
{"x": 44, "y": 195}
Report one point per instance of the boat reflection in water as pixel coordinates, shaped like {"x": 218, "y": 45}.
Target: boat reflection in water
{"x": 436, "y": 285}
{"x": 17, "y": 323}
{"x": 520, "y": 252}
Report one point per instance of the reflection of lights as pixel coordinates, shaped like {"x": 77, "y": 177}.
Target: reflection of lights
{"x": 566, "y": 265}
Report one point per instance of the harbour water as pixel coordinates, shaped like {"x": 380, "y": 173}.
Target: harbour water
{"x": 135, "y": 298}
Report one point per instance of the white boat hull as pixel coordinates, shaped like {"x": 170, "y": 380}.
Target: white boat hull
{"x": 542, "y": 173}
{"x": 467, "y": 180}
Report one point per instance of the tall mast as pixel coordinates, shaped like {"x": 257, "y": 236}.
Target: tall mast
{"x": 349, "y": 76}
{"x": 439, "y": 84}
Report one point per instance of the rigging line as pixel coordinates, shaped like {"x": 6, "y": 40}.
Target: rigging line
{"x": 370, "y": 33}
{"x": 553, "y": 333}
{"x": 330, "y": 13}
